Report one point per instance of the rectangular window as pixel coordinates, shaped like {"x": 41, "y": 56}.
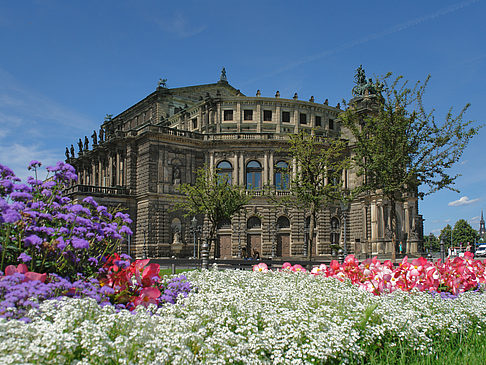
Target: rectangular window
{"x": 247, "y": 114}
{"x": 286, "y": 117}
{"x": 331, "y": 124}
{"x": 228, "y": 115}
{"x": 194, "y": 123}
{"x": 318, "y": 120}
{"x": 267, "y": 115}
{"x": 303, "y": 118}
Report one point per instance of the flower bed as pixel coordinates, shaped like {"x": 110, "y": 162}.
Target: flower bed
{"x": 448, "y": 278}
{"x": 244, "y": 317}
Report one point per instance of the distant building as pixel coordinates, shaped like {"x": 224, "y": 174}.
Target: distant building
{"x": 140, "y": 156}
{"x": 482, "y": 228}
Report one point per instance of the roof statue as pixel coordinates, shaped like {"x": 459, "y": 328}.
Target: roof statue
{"x": 162, "y": 83}
{"x": 95, "y": 138}
{"x": 362, "y": 86}
{"x": 222, "y": 78}
{"x": 108, "y": 117}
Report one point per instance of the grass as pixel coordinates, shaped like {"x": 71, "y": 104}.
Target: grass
{"x": 469, "y": 348}
{"x": 168, "y": 271}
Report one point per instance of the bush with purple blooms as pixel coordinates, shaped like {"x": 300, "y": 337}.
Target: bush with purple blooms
{"x": 48, "y": 232}
{"x": 52, "y": 248}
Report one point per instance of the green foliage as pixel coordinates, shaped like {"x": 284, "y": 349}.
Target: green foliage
{"x": 399, "y": 146}
{"x": 431, "y": 243}
{"x": 214, "y": 196}
{"x": 445, "y": 235}
{"x": 464, "y": 233}
{"x": 320, "y": 164}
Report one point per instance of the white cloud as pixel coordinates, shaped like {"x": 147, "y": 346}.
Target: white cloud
{"x": 18, "y": 157}
{"x": 462, "y": 201}
{"x": 179, "y": 25}
{"x": 474, "y": 221}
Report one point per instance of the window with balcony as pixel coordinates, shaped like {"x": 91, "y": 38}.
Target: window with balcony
{"x": 224, "y": 169}
{"x": 331, "y": 124}
{"x": 318, "y": 120}
{"x": 253, "y": 175}
{"x": 282, "y": 175}
{"x": 228, "y": 115}
{"x": 303, "y": 118}
{"x": 247, "y": 114}
{"x": 267, "y": 115}
{"x": 286, "y": 117}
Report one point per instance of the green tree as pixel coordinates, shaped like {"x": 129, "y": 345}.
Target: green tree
{"x": 399, "y": 146}
{"x": 431, "y": 243}
{"x": 445, "y": 235}
{"x": 212, "y": 195}
{"x": 320, "y": 163}
{"x": 463, "y": 233}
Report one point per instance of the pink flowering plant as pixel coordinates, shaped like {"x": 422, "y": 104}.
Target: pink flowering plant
{"x": 139, "y": 283}
{"x": 449, "y": 278}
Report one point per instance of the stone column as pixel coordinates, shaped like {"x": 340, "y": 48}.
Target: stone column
{"x": 235, "y": 179}
{"x": 237, "y": 117}
{"x": 294, "y": 168}
{"x": 364, "y": 227}
{"x": 272, "y": 165}
{"x": 219, "y": 123}
{"x": 258, "y": 118}
{"x": 265, "y": 179}
{"x": 295, "y": 121}
{"x": 277, "y": 118}
{"x": 118, "y": 177}
{"x": 242, "y": 170}
{"x": 211, "y": 161}
{"x": 100, "y": 173}
{"x": 374, "y": 228}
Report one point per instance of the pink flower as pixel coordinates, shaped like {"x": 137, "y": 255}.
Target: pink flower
{"x": 261, "y": 267}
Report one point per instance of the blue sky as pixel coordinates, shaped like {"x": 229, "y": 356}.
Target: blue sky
{"x": 66, "y": 64}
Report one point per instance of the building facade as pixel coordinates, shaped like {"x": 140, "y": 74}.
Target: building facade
{"x": 138, "y": 159}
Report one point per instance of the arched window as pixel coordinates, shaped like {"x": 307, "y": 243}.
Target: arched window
{"x": 253, "y": 175}
{"x": 224, "y": 224}
{"x": 334, "y": 231}
{"x": 283, "y": 222}
{"x": 224, "y": 170}
{"x": 254, "y": 222}
{"x": 282, "y": 175}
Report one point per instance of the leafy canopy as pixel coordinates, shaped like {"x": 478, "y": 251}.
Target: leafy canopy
{"x": 400, "y": 146}
{"x": 212, "y": 195}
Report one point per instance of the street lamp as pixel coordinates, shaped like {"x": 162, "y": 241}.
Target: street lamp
{"x": 344, "y": 212}
{"x": 194, "y": 229}
{"x": 442, "y": 252}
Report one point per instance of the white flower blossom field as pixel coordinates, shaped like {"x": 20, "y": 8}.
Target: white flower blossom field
{"x": 242, "y": 317}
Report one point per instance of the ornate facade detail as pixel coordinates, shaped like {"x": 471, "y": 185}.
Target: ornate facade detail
{"x": 140, "y": 156}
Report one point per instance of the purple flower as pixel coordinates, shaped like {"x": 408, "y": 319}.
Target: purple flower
{"x": 79, "y": 243}
{"x": 60, "y": 243}
{"x": 126, "y": 230}
{"x": 19, "y": 195}
{"x": 11, "y": 216}
{"x": 89, "y": 200}
{"x": 93, "y": 261}
{"x": 24, "y": 257}
{"x": 34, "y": 164}
{"x": 32, "y": 240}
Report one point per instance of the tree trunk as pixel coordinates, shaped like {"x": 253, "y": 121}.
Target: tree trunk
{"x": 310, "y": 238}
{"x": 393, "y": 214}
